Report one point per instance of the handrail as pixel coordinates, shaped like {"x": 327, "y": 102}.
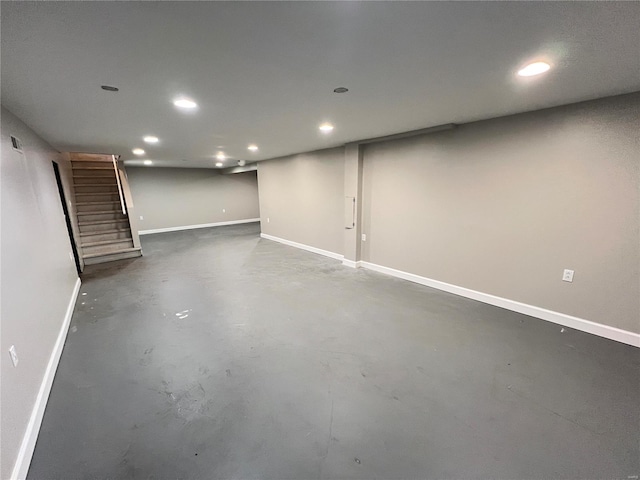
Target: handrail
{"x": 120, "y": 192}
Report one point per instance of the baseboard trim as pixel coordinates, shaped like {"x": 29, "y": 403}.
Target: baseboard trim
{"x": 191, "y": 227}
{"x": 28, "y": 445}
{"x": 302, "y": 246}
{"x": 612, "y": 333}
{"x": 351, "y": 263}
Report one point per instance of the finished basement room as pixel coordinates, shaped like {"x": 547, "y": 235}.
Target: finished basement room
{"x": 320, "y": 240}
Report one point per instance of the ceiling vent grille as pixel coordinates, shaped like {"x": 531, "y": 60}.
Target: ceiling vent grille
{"x": 16, "y": 144}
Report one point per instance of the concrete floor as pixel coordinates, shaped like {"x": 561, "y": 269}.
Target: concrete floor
{"x": 221, "y": 355}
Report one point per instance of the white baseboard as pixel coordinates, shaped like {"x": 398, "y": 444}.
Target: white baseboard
{"x": 302, "y": 246}
{"x": 21, "y": 466}
{"x": 351, "y": 263}
{"x": 202, "y": 225}
{"x": 612, "y": 333}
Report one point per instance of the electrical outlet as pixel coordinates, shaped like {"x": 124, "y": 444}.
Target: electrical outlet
{"x": 14, "y": 355}
{"x": 268, "y": 219}
{"x": 567, "y": 276}
{"x": 224, "y": 210}
{"x": 141, "y": 217}
{"x": 364, "y": 237}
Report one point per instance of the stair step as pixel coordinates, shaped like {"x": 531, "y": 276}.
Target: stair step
{"x": 105, "y": 242}
{"x": 111, "y": 175}
{"x": 112, "y": 257}
{"x": 86, "y": 204}
{"x": 96, "y": 184}
{"x": 104, "y": 232}
{"x": 101, "y": 212}
{"x": 115, "y": 252}
{"x": 79, "y": 166}
{"x": 100, "y": 222}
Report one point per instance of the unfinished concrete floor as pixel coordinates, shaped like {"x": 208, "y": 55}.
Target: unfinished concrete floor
{"x": 221, "y": 355}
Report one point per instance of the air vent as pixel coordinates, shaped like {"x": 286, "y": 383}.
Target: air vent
{"x": 16, "y": 144}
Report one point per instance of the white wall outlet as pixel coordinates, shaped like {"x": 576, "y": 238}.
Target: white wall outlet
{"x": 14, "y": 355}
{"x": 567, "y": 276}
{"x": 364, "y": 237}
{"x": 224, "y": 210}
{"x": 141, "y": 217}
{"x": 268, "y": 219}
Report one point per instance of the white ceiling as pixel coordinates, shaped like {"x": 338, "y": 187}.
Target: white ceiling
{"x": 264, "y": 72}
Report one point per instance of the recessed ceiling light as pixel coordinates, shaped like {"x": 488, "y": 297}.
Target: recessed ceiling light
{"x": 326, "y": 127}
{"x": 219, "y": 164}
{"x": 109, "y": 88}
{"x": 253, "y": 148}
{"x": 532, "y": 69}
{"x": 148, "y": 162}
{"x": 340, "y": 90}
{"x": 150, "y": 139}
{"x": 242, "y": 163}
{"x": 138, "y": 151}
{"x": 221, "y": 156}
{"x": 185, "y": 103}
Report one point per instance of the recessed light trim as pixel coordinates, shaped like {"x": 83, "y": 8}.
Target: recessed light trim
{"x": 148, "y": 162}
{"x": 219, "y": 164}
{"x": 535, "y": 68}
{"x": 150, "y": 139}
{"x": 109, "y": 88}
{"x": 340, "y": 90}
{"x": 185, "y": 103}
{"x": 326, "y": 127}
{"x": 253, "y": 148}
{"x": 138, "y": 151}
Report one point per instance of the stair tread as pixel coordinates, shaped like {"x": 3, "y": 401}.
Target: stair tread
{"x": 93, "y": 176}
{"x": 100, "y": 222}
{"x": 114, "y": 252}
{"x": 106, "y": 242}
{"x": 102, "y": 232}
{"x": 84, "y": 167}
{"x": 101, "y": 212}
{"x": 105, "y": 202}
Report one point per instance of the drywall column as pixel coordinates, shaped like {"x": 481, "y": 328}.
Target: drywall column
{"x": 352, "y": 189}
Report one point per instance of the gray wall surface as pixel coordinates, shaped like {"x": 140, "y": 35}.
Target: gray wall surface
{"x": 303, "y": 198}
{"x": 37, "y": 276}
{"x": 178, "y": 197}
{"x": 503, "y": 206}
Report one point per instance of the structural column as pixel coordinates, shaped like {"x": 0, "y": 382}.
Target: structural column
{"x": 353, "y": 156}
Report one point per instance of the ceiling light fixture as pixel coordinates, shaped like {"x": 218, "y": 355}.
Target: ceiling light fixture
{"x": 221, "y": 156}
{"x": 185, "y": 103}
{"x": 138, "y": 151}
{"x": 340, "y": 90}
{"x": 326, "y": 127}
{"x": 242, "y": 163}
{"x": 148, "y": 162}
{"x": 109, "y": 88}
{"x": 253, "y": 148}
{"x": 150, "y": 139}
{"x": 535, "y": 68}
{"x": 219, "y": 164}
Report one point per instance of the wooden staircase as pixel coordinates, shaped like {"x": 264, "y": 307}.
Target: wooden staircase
{"x": 105, "y": 232}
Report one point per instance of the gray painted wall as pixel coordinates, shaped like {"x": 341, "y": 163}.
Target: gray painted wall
{"x": 503, "y": 206}
{"x": 37, "y": 275}
{"x": 302, "y": 196}
{"x": 177, "y": 197}
{"x": 500, "y": 206}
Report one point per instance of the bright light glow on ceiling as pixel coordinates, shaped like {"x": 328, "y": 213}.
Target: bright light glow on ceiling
{"x": 326, "y": 127}
{"x": 138, "y": 151}
{"x": 253, "y": 148}
{"x": 186, "y": 103}
{"x": 221, "y": 156}
{"x": 219, "y": 164}
{"x": 148, "y": 162}
{"x": 150, "y": 139}
{"x": 535, "y": 68}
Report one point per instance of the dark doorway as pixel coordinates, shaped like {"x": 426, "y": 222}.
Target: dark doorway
{"x": 67, "y": 218}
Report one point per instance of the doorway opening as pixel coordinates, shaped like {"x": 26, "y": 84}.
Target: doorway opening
{"x": 67, "y": 218}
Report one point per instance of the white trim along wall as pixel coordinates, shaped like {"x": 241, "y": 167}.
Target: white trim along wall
{"x": 606, "y": 331}
{"x": 191, "y": 227}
